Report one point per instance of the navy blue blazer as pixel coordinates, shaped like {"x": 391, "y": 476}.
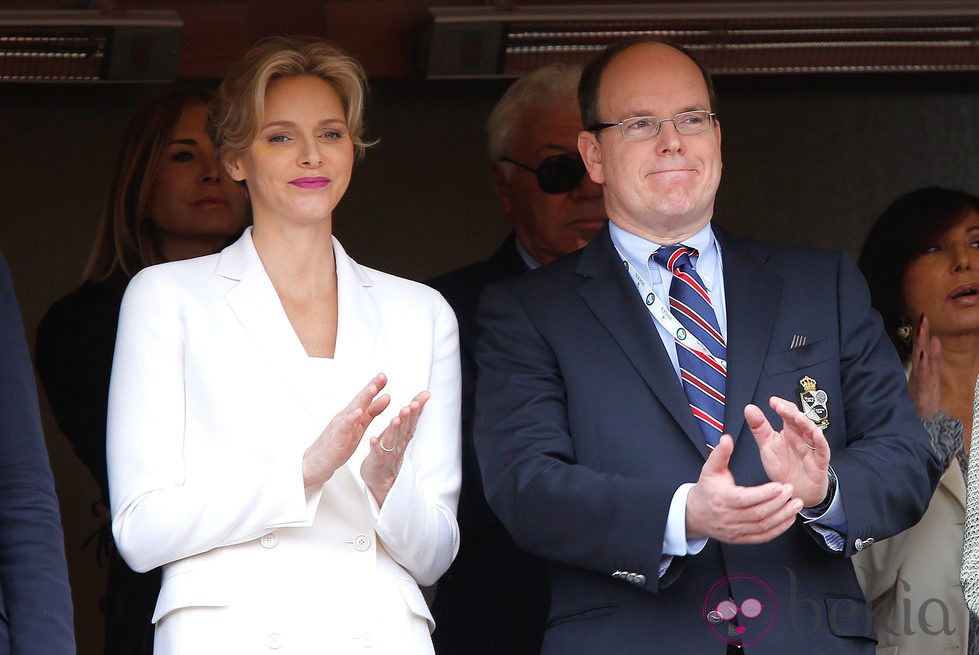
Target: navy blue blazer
{"x": 583, "y": 434}
{"x": 35, "y": 600}
{"x": 493, "y": 599}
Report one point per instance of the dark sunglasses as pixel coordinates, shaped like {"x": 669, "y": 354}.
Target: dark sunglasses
{"x": 557, "y": 174}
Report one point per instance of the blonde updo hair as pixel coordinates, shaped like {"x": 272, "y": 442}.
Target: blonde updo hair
{"x": 240, "y": 104}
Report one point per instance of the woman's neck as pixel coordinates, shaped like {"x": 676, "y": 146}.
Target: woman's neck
{"x": 299, "y": 260}
{"x": 296, "y": 256}
{"x": 958, "y": 371}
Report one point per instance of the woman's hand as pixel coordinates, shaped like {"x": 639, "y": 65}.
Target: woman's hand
{"x": 341, "y": 437}
{"x": 381, "y": 466}
{"x": 924, "y": 383}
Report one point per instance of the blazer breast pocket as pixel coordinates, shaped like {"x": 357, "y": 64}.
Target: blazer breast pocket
{"x": 796, "y": 359}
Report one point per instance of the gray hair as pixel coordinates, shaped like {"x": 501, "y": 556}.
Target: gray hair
{"x": 535, "y": 91}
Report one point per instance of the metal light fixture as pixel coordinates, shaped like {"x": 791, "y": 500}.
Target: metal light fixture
{"x": 787, "y": 36}
{"x": 89, "y": 46}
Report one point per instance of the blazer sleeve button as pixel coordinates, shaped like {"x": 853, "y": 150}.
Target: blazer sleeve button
{"x": 860, "y": 544}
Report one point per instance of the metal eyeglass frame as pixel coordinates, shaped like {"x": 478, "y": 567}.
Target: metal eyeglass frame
{"x": 632, "y": 120}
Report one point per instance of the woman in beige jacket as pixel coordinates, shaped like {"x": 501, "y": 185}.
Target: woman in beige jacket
{"x": 921, "y": 260}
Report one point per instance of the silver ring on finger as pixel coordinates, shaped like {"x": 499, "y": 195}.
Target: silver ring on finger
{"x": 385, "y": 449}
{"x": 810, "y": 447}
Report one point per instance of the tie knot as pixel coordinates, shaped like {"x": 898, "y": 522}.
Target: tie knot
{"x": 674, "y": 257}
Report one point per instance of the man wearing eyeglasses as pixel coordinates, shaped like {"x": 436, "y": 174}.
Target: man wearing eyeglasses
{"x": 493, "y": 599}
{"x": 627, "y": 396}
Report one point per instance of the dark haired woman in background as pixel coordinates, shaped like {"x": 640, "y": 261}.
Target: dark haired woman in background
{"x": 921, "y": 260}
{"x": 170, "y": 200}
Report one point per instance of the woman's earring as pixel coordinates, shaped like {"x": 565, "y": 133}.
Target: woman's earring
{"x": 904, "y": 331}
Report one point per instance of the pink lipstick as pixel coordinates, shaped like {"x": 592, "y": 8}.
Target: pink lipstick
{"x": 310, "y": 182}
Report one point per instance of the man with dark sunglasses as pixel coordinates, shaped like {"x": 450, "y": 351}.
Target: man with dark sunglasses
{"x": 494, "y": 597}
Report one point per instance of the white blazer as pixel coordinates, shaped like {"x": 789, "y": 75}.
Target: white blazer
{"x": 212, "y": 404}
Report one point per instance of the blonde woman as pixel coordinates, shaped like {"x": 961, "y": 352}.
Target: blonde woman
{"x": 284, "y": 422}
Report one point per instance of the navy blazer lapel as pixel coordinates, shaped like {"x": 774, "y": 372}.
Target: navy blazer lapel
{"x": 752, "y": 296}
{"x": 613, "y": 298}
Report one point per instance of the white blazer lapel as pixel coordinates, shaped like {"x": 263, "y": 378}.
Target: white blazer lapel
{"x": 357, "y": 356}
{"x": 359, "y": 315}
{"x": 256, "y": 305}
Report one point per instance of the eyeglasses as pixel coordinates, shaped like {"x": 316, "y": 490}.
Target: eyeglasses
{"x": 640, "y": 128}
{"x": 557, "y": 174}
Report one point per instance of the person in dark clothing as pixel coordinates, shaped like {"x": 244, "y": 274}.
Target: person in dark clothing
{"x": 494, "y": 597}
{"x": 35, "y": 599}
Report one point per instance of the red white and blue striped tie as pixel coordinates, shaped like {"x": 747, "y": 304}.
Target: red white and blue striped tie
{"x": 703, "y": 377}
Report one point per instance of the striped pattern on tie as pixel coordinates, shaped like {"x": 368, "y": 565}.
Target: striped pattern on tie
{"x": 704, "y": 380}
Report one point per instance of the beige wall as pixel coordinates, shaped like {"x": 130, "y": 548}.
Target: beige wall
{"x": 808, "y": 160}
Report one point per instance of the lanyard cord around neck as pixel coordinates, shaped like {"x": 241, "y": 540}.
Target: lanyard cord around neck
{"x": 662, "y": 314}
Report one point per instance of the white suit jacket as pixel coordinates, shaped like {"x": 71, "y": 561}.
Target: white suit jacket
{"x": 212, "y": 404}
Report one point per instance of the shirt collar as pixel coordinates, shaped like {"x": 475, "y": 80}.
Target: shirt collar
{"x": 638, "y": 251}
{"x": 528, "y": 259}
